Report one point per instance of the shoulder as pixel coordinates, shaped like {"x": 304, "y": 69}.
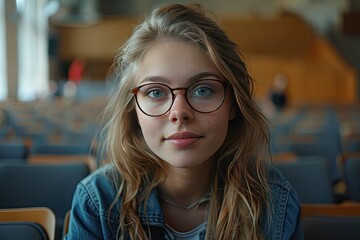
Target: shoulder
{"x": 93, "y": 215}
{"x": 105, "y": 176}
{"x": 285, "y": 206}
{"x": 284, "y": 199}
{"x": 98, "y": 190}
{"x": 278, "y": 183}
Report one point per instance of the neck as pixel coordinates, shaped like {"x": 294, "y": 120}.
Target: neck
{"x": 185, "y": 186}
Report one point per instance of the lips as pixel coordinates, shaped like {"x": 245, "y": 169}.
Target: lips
{"x": 183, "y": 139}
{"x": 182, "y": 135}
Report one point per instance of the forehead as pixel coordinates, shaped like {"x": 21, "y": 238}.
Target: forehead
{"x": 175, "y": 61}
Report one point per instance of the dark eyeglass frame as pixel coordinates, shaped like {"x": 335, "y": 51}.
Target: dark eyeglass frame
{"x": 135, "y": 90}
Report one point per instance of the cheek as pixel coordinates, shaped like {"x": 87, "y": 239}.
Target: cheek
{"x": 148, "y": 126}
{"x": 220, "y": 124}
{"x": 217, "y": 126}
{"x": 221, "y": 128}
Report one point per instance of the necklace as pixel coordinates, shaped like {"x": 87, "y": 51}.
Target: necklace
{"x": 201, "y": 200}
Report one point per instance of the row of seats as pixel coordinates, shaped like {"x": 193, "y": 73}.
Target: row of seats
{"x": 41, "y": 185}
{"x": 318, "y": 134}
{"x": 45, "y": 151}
{"x": 305, "y": 132}
{"x": 50, "y": 122}
{"x": 311, "y": 178}
{"x": 317, "y": 150}
{"x": 19, "y": 149}
{"x": 46, "y": 148}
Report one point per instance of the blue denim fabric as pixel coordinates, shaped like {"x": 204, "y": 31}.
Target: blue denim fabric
{"x": 91, "y": 217}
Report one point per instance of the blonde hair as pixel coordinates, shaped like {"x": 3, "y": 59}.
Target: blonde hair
{"x": 239, "y": 186}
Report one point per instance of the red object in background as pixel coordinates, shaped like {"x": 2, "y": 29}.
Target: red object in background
{"x": 76, "y": 71}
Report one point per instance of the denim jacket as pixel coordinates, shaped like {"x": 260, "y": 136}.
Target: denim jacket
{"x": 92, "y": 218}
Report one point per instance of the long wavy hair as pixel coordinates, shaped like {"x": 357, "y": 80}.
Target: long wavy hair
{"x": 239, "y": 189}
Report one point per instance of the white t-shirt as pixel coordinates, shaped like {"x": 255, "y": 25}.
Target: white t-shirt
{"x": 193, "y": 234}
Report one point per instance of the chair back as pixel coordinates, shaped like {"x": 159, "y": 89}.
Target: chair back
{"x": 12, "y": 161}
{"x": 22, "y": 230}
{"x": 331, "y": 228}
{"x": 66, "y": 223}
{"x": 27, "y": 223}
{"x": 40, "y": 185}
{"x": 331, "y": 221}
{"x": 59, "y": 158}
{"x": 352, "y": 178}
{"x": 310, "y": 178}
{"x": 63, "y": 149}
{"x": 12, "y": 149}
{"x": 324, "y": 146}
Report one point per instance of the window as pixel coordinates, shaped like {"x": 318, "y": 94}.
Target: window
{"x": 3, "y": 82}
{"x": 33, "y": 62}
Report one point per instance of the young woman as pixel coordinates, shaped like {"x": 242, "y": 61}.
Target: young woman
{"x": 188, "y": 145}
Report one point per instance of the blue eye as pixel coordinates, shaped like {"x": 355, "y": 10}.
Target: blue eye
{"x": 155, "y": 93}
{"x": 202, "y": 91}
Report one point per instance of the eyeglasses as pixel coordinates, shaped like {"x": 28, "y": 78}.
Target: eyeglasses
{"x": 204, "y": 96}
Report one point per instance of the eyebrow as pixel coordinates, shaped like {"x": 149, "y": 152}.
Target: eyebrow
{"x": 192, "y": 79}
{"x": 155, "y": 79}
{"x": 202, "y": 75}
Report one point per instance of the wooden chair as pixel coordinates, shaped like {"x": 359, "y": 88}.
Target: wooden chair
{"x": 284, "y": 157}
{"x": 342, "y": 209}
{"x": 40, "y": 215}
{"x": 66, "y": 223}
{"x": 59, "y": 158}
{"x": 331, "y": 221}
{"x": 41, "y": 185}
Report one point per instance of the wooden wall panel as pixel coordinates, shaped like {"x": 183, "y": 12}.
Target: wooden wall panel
{"x": 95, "y": 42}
{"x": 287, "y": 36}
{"x": 287, "y": 45}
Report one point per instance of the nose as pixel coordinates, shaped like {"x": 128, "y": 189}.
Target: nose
{"x": 180, "y": 111}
